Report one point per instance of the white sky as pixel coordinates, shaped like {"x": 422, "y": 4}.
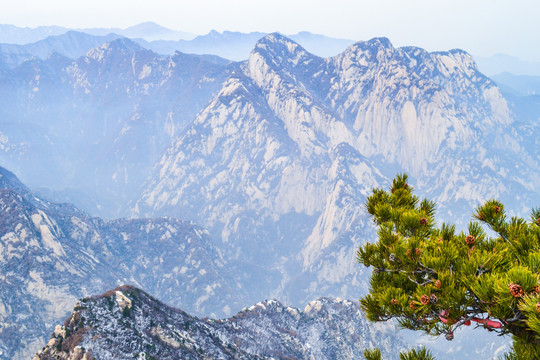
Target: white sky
{"x": 482, "y": 27}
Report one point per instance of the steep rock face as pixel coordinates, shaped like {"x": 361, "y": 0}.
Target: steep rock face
{"x": 282, "y": 158}
{"x": 101, "y": 120}
{"x": 52, "y": 254}
{"x": 126, "y": 323}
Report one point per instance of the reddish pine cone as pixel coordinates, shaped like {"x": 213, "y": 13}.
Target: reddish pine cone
{"x": 480, "y": 216}
{"x": 418, "y": 252}
{"x": 469, "y": 240}
{"x": 424, "y": 299}
{"x": 412, "y": 305}
{"x": 497, "y": 209}
{"x": 408, "y": 252}
{"x": 516, "y": 290}
{"x": 538, "y": 306}
{"x": 423, "y": 221}
{"x": 394, "y": 301}
{"x": 536, "y": 290}
{"x": 538, "y": 221}
{"x": 438, "y": 284}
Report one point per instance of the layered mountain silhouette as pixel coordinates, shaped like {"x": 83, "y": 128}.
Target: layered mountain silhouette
{"x": 273, "y": 155}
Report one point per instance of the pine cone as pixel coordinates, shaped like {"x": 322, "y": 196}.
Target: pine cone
{"x": 536, "y": 290}
{"x": 438, "y": 284}
{"x": 424, "y": 299}
{"x": 408, "y": 253}
{"x": 538, "y": 306}
{"x": 418, "y": 252}
{"x": 480, "y": 216}
{"x": 449, "y": 336}
{"x": 538, "y": 221}
{"x": 423, "y": 221}
{"x": 412, "y": 305}
{"x": 497, "y": 209}
{"x": 433, "y": 299}
{"x": 394, "y": 301}
{"x": 469, "y": 240}
{"x": 516, "y": 290}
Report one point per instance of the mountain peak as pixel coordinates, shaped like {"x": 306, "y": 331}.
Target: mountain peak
{"x": 281, "y": 47}
{"x": 121, "y": 44}
{"x": 148, "y": 26}
{"x": 275, "y": 37}
{"x": 373, "y": 45}
{"x": 381, "y": 41}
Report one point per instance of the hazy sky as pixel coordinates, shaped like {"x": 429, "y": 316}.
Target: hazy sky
{"x": 482, "y": 27}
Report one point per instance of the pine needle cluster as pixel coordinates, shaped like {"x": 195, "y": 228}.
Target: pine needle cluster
{"x": 435, "y": 279}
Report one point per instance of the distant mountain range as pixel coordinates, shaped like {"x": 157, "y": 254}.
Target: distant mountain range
{"x": 149, "y": 31}
{"x": 71, "y": 45}
{"x": 234, "y": 46}
{"x": 502, "y": 63}
{"x": 237, "y": 46}
{"x": 520, "y": 85}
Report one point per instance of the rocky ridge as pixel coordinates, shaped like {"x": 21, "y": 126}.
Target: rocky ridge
{"x": 127, "y": 323}
{"x": 100, "y": 120}
{"x": 288, "y": 149}
{"x": 51, "y": 254}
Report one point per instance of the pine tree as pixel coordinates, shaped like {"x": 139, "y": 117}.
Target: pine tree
{"x": 434, "y": 279}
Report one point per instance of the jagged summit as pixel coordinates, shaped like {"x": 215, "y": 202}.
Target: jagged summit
{"x": 51, "y": 254}
{"x": 280, "y": 48}
{"x": 127, "y": 322}
{"x": 121, "y": 44}
{"x": 380, "y": 50}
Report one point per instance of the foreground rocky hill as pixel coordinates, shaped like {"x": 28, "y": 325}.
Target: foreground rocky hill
{"x": 52, "y": 254}
{"x": 127, "y": 323}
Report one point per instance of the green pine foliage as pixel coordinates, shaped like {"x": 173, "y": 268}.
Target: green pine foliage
{"x": 372, "y": 354}
{"x": 413, "y": 354}
{"x": 435, "y": 279}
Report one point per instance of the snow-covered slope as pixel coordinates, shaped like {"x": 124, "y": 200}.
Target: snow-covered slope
{"x": 127, "y": 323}
{"x": 51, "y": 254}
